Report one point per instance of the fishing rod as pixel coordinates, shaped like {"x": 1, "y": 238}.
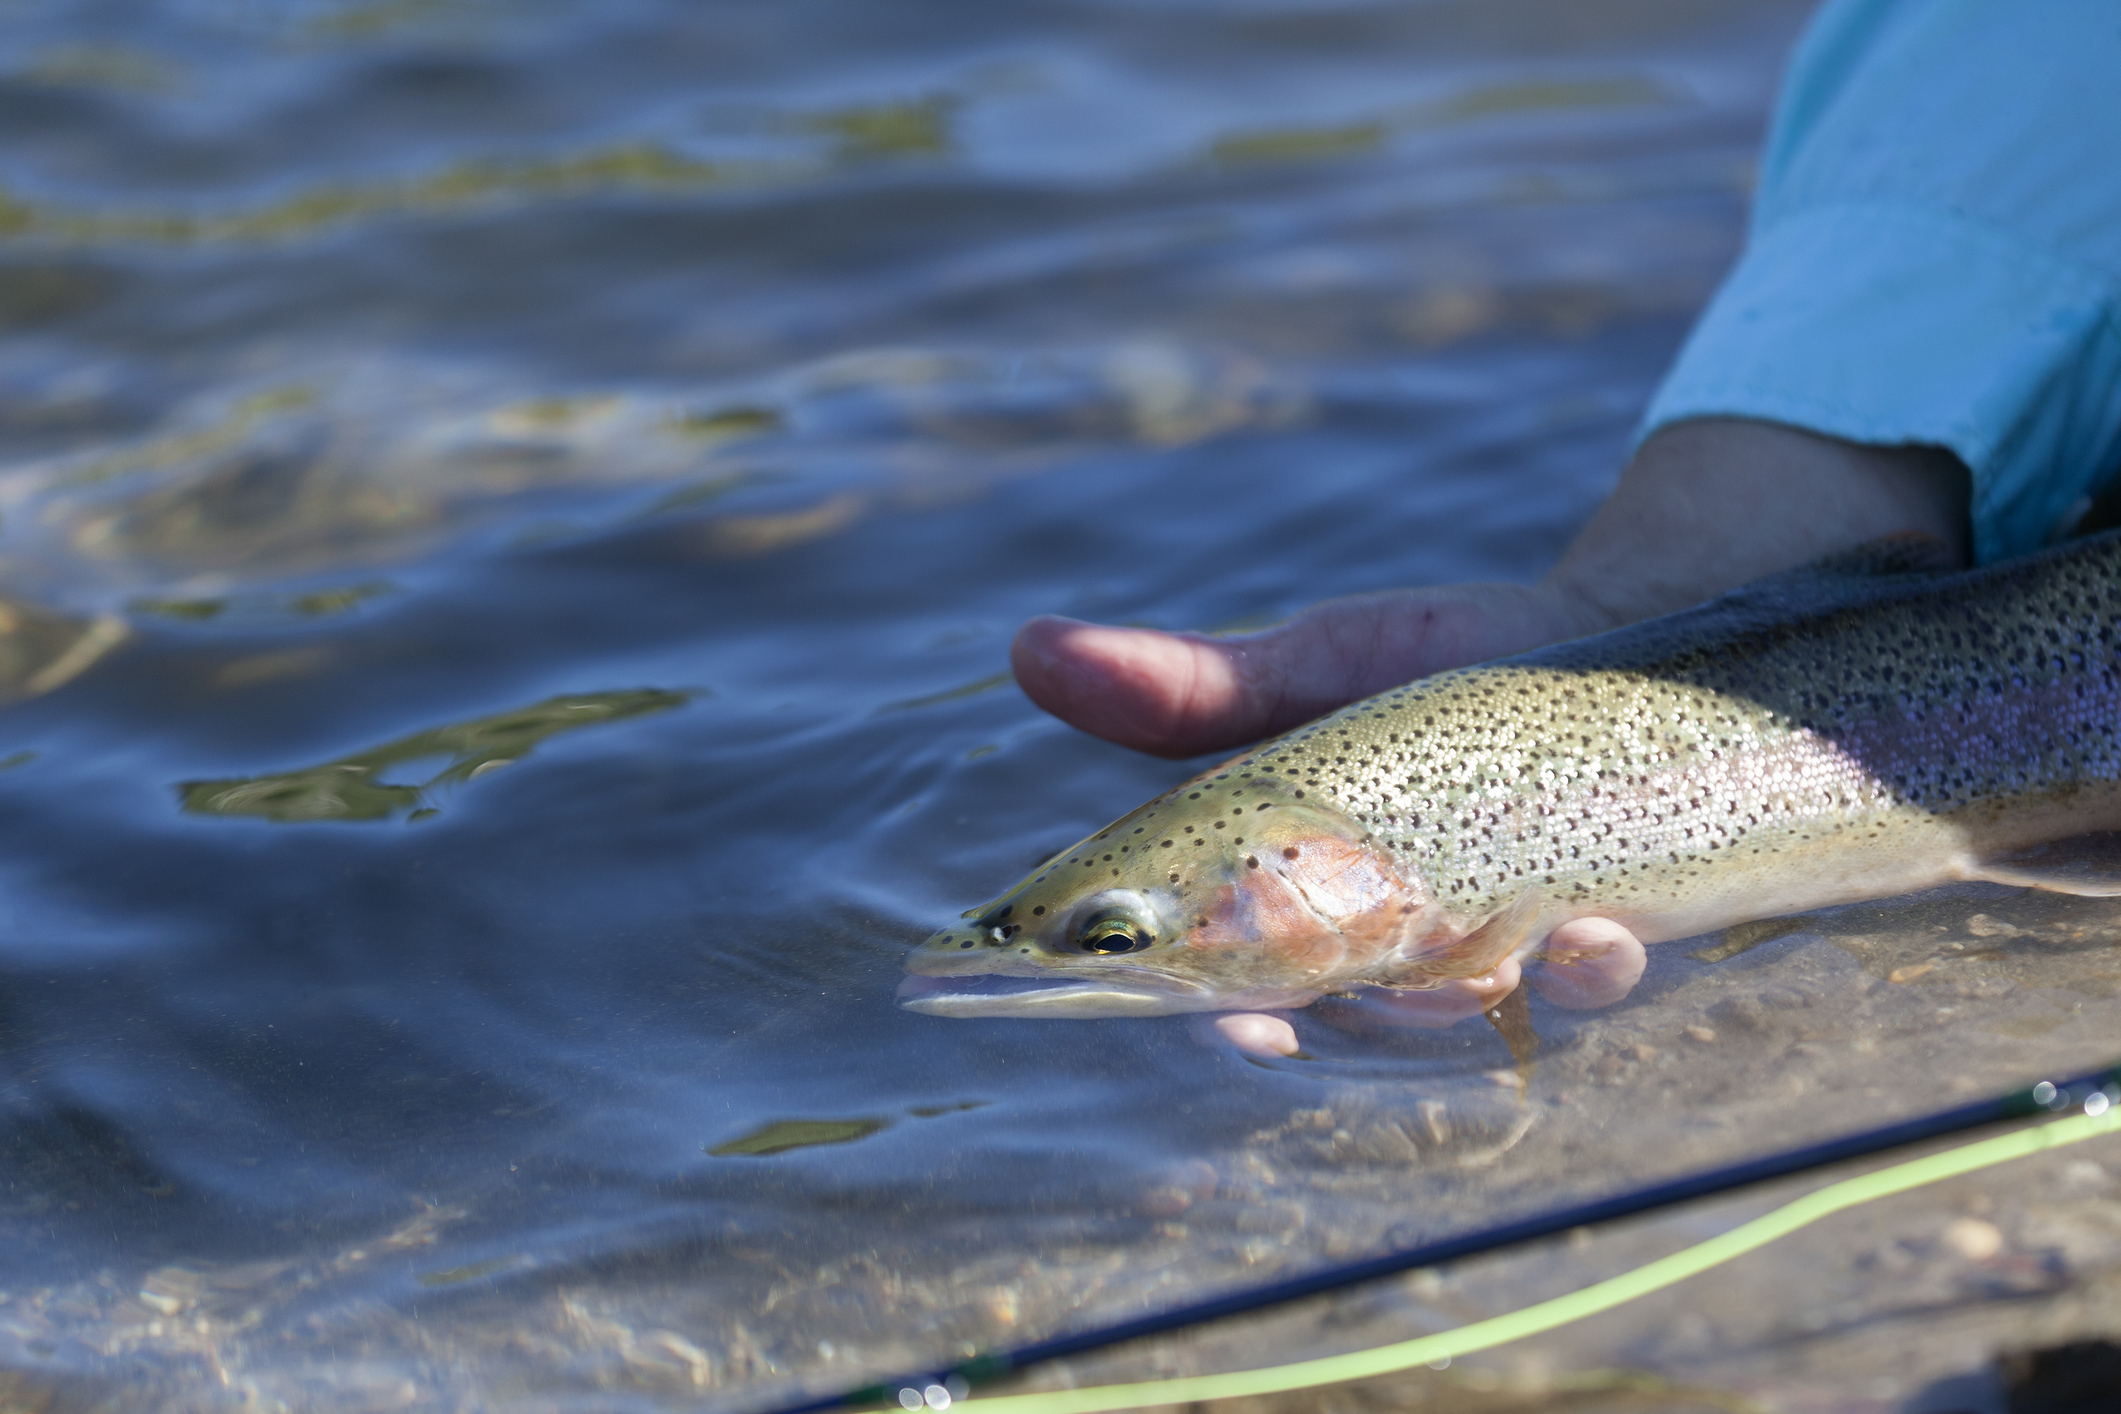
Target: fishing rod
{"x": 2097, "y": 1094}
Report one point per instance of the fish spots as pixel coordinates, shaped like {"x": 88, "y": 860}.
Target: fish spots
{"x": 1251, "y": 861}
{"x": 1039, "y": 911}
{"x": 968, "y": 943}
{"x": 1291, "y": 852}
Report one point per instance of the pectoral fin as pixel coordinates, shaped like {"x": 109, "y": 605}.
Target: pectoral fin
{"x": 1477, "y": 954}
{"x": 2088, "y": 865}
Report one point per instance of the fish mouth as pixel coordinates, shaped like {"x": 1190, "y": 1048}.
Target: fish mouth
{"x": 1136, "y": 992}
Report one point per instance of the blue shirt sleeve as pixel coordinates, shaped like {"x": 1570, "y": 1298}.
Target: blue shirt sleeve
{"x": 1935, "y": 252}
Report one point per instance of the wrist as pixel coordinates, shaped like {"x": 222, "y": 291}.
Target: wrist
{"x": 1707, "y": 505}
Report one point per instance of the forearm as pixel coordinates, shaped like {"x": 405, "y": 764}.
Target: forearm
{"x": 1935, "y": 257}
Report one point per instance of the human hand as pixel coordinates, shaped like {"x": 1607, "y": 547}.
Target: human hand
{"x": 1182, "y": 694}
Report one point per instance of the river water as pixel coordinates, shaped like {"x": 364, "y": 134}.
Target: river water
{"x": 513, "y": 517}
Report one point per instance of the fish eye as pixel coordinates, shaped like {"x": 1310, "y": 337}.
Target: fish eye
{"x": 1113, "y": 930}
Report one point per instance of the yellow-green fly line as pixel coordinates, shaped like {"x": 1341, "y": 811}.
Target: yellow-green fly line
{"x": 1577, "y": 1305}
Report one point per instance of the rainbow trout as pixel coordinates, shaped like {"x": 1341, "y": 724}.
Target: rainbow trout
{"x": 1862, "y": 727}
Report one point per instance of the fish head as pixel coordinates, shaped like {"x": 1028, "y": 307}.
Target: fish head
{"x": 1231, "y": 892}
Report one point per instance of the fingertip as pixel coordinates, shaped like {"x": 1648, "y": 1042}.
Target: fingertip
{"x": 1257, "y": 1033}
{"x": 1499, "y": 983}
{"x": 1037, "y": 642}
{"x": 1434, "y": 1008}
{"x": 1048, "y": 660}
{"x": 1164, "y": 693}
{"x": 1589, "y": 962}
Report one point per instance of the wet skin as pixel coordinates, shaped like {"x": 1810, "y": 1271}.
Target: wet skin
{"x": 1702, "y": 507}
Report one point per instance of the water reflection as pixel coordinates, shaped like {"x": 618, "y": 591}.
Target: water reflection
{"x": 351, "y": 787}
{"x": 1348, "y": 140}
{"x": 41, "y": 651}
{"x": 780, "y": 1135}
{"x": 311, "y": 604}
{"x": 375, "y": 464}
{"x": 837, "y": 139}
{"x": 108, "y": 66}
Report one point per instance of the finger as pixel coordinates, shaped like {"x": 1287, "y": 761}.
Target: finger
{"x": 1589, "y": 962}
{"x": 1383, "y": 1009}
{"x": 1181, "y": 694}
{"x": 1257, "y": 1033}
{"x": 1165, "y": 693}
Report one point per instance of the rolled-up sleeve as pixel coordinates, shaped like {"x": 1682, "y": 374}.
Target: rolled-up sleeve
{"x": 1935, "y": 252}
